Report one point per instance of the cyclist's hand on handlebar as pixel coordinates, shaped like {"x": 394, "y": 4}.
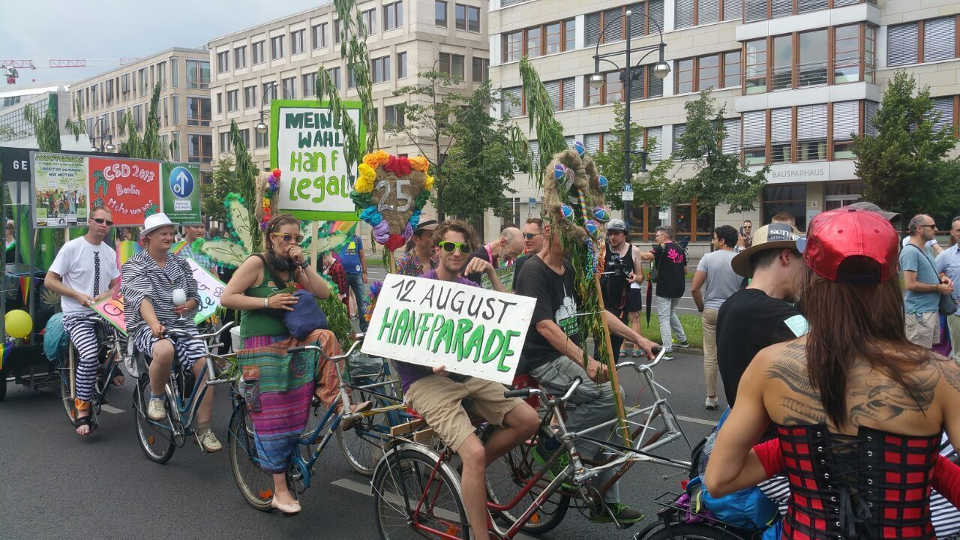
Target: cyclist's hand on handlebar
{"x": 84, "y": 299}
{"x": 596, "y": 370}
{"x": 157, "y": 330}
{"x": 650, "y": 348}
{"x": 282, "y": 301}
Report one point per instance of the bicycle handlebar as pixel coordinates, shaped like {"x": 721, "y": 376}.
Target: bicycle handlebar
{"x": 353, "y": 347}
{"x": 659, "y": 351}
{"x": 218, "y": 332}
{"x": 527, "y": 392}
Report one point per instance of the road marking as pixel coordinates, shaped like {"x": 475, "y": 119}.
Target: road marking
{"x": 111, "y": 409}
{"x": 701, "y": 421}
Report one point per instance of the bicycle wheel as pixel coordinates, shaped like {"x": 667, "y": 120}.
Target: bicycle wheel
{"x": 156, "y": 441}
{"x": 65, "y": 396}
{"x": 690, "y": 531}
{"x": 510, "y": 474}
{"x": 398, "y": 487}
{"x": 255, "y": 485}
{"x": 362, "y": 445}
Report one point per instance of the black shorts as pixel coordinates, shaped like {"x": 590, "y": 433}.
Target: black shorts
{"x": 634, "y": 300}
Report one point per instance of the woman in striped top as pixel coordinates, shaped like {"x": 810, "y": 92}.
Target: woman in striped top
{"x": 149, "y": 280}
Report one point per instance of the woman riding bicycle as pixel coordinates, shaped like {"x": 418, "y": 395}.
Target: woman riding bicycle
{"x": 150, "y": 280}
{"x": 858, "y": 408}
{"x": 257, "y": 290}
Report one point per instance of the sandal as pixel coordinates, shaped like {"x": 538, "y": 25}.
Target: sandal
{"x": 85, "y": 421}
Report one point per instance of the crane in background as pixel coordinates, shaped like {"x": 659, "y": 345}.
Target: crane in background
{"x": 10, "y": 67}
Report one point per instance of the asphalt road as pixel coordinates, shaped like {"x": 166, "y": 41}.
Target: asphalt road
{"x": 56, "y": 486}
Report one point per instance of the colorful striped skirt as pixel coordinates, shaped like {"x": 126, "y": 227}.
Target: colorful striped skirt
{"x": 285, "y": 385}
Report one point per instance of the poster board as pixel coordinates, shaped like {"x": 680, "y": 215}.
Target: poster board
{"x": 60, "y": 195}
{"x": 468, "y": 330}
{"x": 111, "y": 309}
{"x": 181, "y": 192}
{"x": 209, "y": 287}
{"x": 129, "y": 188}
{"x": 307, "y": 146}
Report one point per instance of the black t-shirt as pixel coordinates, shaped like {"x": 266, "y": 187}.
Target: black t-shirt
{"x": 747, "y": 322}
{"x": 614, "y": 287}
{"x": 671, "y": 261}
{"x": 517, "y": 265}
{"x": 556, "y": 301}
{"x": 480, "y": 253}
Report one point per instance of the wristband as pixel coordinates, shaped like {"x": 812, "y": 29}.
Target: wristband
{"x": 266, "y": 303}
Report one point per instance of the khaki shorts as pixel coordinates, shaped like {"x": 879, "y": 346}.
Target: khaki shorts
{"x": 923, "y": 328}
{"x": 437, "y": 399}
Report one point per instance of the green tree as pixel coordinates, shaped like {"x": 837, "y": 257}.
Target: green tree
{"x": 904, "y": 166}
{"x": 610, "y": 162}
{"x": 720, "y": 177}
{"x": 246, "y": 179}
{"x": 148, "y": 146}
{"x": 541, "y": 120}
{"x": 480, "y": 164}
{"x": 214, "y": 193}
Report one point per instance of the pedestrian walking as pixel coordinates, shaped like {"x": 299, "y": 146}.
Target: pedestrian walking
{"x": 670, "y": 274}
{"x": 622, "y": 270}
{"x": 948, "y": 263}
{"x": 924, "y": 286}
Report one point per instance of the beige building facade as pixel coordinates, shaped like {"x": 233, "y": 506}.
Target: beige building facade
{"x": 280, "y": 60}
{"x": 108, "y": 99}
{"x": 796, "y": 78}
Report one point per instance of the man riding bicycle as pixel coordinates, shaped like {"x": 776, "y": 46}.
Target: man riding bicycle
{"x": 437, "y": 395}
{"x": 83, "y": 273}
{"x": 160, "y": 327}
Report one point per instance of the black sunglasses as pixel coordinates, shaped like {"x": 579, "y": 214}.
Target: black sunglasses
{"x": 101, "y": 221}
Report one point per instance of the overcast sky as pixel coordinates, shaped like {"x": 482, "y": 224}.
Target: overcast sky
{"x": 103, "y": 31}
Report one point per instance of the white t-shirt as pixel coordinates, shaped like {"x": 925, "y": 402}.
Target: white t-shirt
{"x": 75, "y": 265}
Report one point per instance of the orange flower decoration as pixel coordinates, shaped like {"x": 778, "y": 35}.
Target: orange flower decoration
{"x": 376, "y": 159}
{"x": 419, "y": 163}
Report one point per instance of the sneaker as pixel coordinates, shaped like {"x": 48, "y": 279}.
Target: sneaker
{"x": 624, "y": 514}
{"x": 209, "y": 441}
{"x": 684, "y": 344}
{"x": 155, "y": 410}
{"x": 710, "y": 403}
{"x": 668, "y": 355}
{"x": 540, "y": 457}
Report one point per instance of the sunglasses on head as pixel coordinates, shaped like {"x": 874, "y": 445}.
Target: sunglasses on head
{"x": 287, "y": 237}
{"x": 101, "y": 221}
{"x": 449, "y": 247}
{"x": 530, "y": 235}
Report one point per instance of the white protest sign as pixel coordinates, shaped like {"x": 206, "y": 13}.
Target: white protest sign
{"x": 209, "y": 287}
{"x": 469, "y": 330}
{"x": 306, "y": 144}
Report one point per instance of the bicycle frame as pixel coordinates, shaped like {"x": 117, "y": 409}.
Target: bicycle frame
{"x": 111, "y": 342}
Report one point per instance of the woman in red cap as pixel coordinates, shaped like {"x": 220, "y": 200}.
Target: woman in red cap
{"x": 858, "y": 409}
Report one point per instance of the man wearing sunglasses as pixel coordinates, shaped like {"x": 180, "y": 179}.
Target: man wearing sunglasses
{"x": 504, "y": 249}
{"x": 948, "y": 263}
{"x": 437, "y": 395}
{"x": 83, "y": 273}
{"x": 532, "y": 244}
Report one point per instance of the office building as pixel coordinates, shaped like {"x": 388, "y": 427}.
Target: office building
{"x": 17, "y": 131}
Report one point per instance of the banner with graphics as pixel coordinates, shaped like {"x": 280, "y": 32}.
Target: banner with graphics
{"x": 209, "y": 288}
{"x": 130, "y": 188}
{"x": 181, "y": 192}
{"x": 111, "y": 309}
{"x": 306, "y": 144}
{"x": 468, "y": 330}
{"x": 60, "y": 191}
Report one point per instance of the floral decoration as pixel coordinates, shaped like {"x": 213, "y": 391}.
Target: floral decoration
{"x": 392, "y": 214}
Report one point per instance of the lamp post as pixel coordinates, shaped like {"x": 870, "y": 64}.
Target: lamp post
{"x": 660, "y": 70}
{"x": 102, "y": 148}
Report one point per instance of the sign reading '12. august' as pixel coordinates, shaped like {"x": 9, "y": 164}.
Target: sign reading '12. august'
{"x": 468, "y": 330}
{"x": 306, "y": 144}
{"x": 130, "y": 188}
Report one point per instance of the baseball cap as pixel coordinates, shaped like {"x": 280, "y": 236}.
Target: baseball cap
{"x": 772, "y": 236}
{"x": 870, "y": 207}
{"x": 837, "y": 235}
{"x": 616, "y": 225}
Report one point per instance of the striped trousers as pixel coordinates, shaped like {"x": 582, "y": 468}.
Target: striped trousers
{"x": 82, "y": 329}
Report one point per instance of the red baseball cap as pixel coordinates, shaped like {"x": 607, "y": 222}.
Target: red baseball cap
{"x": 839, "y": 234}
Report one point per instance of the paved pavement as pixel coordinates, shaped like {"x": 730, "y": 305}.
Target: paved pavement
{"x": 56, "y": 486}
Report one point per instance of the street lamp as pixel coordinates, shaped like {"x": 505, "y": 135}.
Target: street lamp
{"x": 660, "y": 70}
{"x": 261, "y": 127}
{"x": 109, "y": 146}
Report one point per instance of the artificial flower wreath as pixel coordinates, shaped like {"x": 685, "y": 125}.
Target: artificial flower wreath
{"x": 390, "y": 191}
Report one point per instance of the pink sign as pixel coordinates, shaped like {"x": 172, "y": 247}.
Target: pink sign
{"x": 111, "y": 309}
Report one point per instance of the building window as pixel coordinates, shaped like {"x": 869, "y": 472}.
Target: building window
{"x": 468, "y": 18}
{"x": 249, "y": 97}
{"x": 262, "y": 140}
{"x": 258, "y": 52}
{"x": 309, "y": 84}
{"x": 219, "y": 103}
{"x": 512, "y": 46}
{"x": 440, "y": 13}
{"x": 336, "y": 31}
{"x": 351, "y": 79}
{"x": 335, "y": 76}
{"x": 782, "y": 62}
{"x": 902, "y": 44}
{"x": 696, "y": 12}
{"x": 942, "y": 114}
{"x": 684, "y": 81}
{"x": 369, "y": 19}
{"x": 812, "y": 66}
{"x": 296, "y": 42}
{"x": 175, "y": 105}
{"x": 452, "y": 65}
{"x": 755, "y": 137}
{"x": 731, "y": 140}
{"x": 480, "y": 70}
{"x": 869, "y": 53}
{"x": 226, "y": 143}
{"x": 402, "y": 65}
{"x": 756, "y": 77}
{"x": 846, "y": 55}
{"x": 758, "y": 10}
{"x": 223, "y": 62}
{"x": 198, "y": 74}
{"x": 318, "y": 34}
{"x": 512, "y": 102}
{"x": 240, "y": 57}
{"x": 642, "y": 14}
{"x": 393, "y": 116}
{"x": 162, "y": 74}
{"x": 731, "y": 69}
{"x": 174, "y": 73}
{"x": 289, "y": 87}
{"x": 392, "y": 16}
{"x": 198, "y": 111}
{"x": 645, "y": 85}
{"x": 708, "y": 72}
{"x": 381, "y": 69}
{"x": 939, "y": 39}
{"x": 199, "y": 148}
{"x": 562, "y": 93}
{"x": 276, "y": 47}
{"x": 846, "y": 123}
{"x": 269, "y": 92}
{"x": 781, "y": 135}
{"x": 233, "y": 100}
{"x": 790, "y": 198}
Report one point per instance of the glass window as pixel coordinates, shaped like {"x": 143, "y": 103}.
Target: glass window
{"x": 262, "y": 140}
{"x": 731, "y": 69}
{"x": 226, "y": 143}
{"x": 684, "y": 13}
{"x": 276, "y": 47}
{"x": 781, "y": 135}
{"x": 174, "y": 73}
{"x": 902, "y": 40}
{"x": 402, "y": 65}
{"x": 309, "y": 84}
{"x": 269, "y": 92}
{"x": 319, "y": 35}
{"x": 681, "y": 222}
{"x": 791, "y": 198}
{"x": 175, "y": 105}
{"x": 806, "y": 6}
{"x": 393, "y": 116}
{"x": 198, "y": 74}
{"x": 296, "y": 42}
{"x": 440, "y": 13}
{"x": 846, "y": 61}
{"x": 613, "y": 88}
{"x": 756, "y": 10}
{"x": 512, "y": 46}
{"x": 846, "y": 116}
{"x": 240, "y": 57}
{"x": 512, "y": 104}
{"x": 369, "y": 19}
{"x": 554, "y": 36}
{"x": 335, "y": 77}
{"x": 708, "y": 11}
{"x": 782, "y": 62}
{"x": 592, "y": 143}
{"x": 258, "y": 52}
{"x": 612, "y": 25}
{"x": 233, "y": 100}
{"x": 553, "y": 92}
{"x": 289, "y": 88}
{"x": 392, "y": 16}
{"x": 708, "y": 75}
{"x": 199, "y": 148}
{"x": 939, "y": 39}
{"x": 223, "y": 62}
{"x": 473, "y": 19}
{"x": 461, "y": 14}
{"x": 638, "y": 21}
{"x": 249, "y": 97}
{"x": 480, "y": 69}
{"x": 732, "y": 10}
{"x": 812, "y": 133}
{"x": 704, "y": 223}
{"x": 755, "y": 137}
{"x": 869, "y": 53}
{"x": 781, "y": 8}
{"x": 381, "y": 69}
{"x": 533, "y": 42}
{"x": 812, "y": 67}
{"x": 942, "y": 113}
{"x": 592, "y": 25}
{"x": 593, "y": 96}
{"x": 756, "y": 78}
{"x": 652, "y": 144}
{"x": 654, "y": 84}
{"x": 678, "y": 131}
{"x": 731, "y": 140}
{"x": 569, "y": 35}
{"x": 568, "y": 94}
{"x": 684, "y": 76}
